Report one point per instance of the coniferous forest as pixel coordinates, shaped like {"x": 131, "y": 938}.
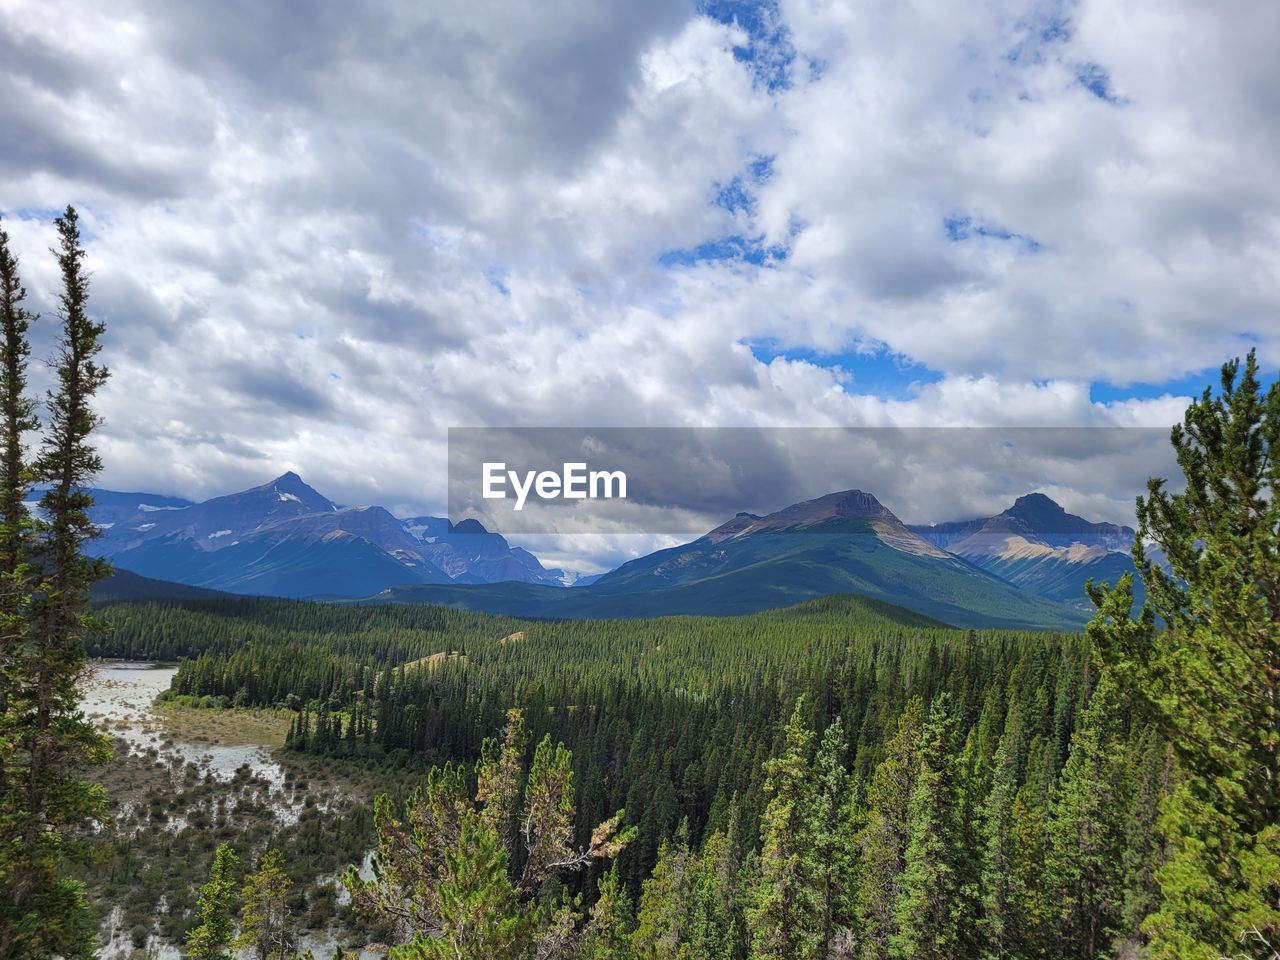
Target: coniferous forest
{"x": 840, "y": 779}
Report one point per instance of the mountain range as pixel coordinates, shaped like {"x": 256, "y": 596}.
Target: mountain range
{"x": 285, "y": 539}
{"x": 1024, "y": 567}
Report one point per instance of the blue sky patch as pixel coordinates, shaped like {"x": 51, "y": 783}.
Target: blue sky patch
{"x": 734, "y": 247}
{"x": 768, "y": 51}
{"x": 496, "y": 277}
{"x": 1050, "y": 27}
{"x": 880, "y": 372}
{"x": 960, "y": 227}
{"x": 761, "y": 169}
{"x": 1191, "y": 385}
{"x": 734, "y": 196}
{"x": 37, "y": 213}
{"x": 1097, "y": 81}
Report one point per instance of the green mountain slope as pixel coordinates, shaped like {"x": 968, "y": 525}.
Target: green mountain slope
{"x": 845, "y": 543}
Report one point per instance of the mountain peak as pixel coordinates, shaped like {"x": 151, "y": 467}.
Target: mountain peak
{"x": 841, "y": 504}
{"x": 807, "y": 515}
{"x": 289, "y": 481}
{"x": 856, "y": 503}
{"x": 1037, "y": 503}
{"x": 291, "y": 488}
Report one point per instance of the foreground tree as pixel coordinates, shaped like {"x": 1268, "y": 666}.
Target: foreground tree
{"x": 608, "y": 931}
{"x": 264, "y": 916}
{"x": 1203, "y": 658}
{"x": 210, "y": 938}
{"x": 17, "y": 421}
{"x": 17, "y": 411}
{"x": 46, "y": 582}
{"x": 443, "y": 878}
{"x": 1085, "y": 864}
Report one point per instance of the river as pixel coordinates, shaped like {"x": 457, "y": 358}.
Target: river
{"x": 120, "y": 698}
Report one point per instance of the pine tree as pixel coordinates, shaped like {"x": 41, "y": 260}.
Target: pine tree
{"x": 609, "y": 928}
{"x": 17, "y": 412}
{"x": 998, "y": 917}
{"x": 49, "y": 805}
{"x": 210, "y": 938}
{"x": 443, "y": 879}
{"x": 928, "y": 912}
{"x": 498, "y": 777}
{"x": 882, "y": 841}
{"x": 264, "y": 915}
{"x": 1203, "y": 659}
{"x": 661, "y": 917}
{"x": 1087, "y": 830}
{"x": 480, "y": 911}
{"x": 787, "y": 915}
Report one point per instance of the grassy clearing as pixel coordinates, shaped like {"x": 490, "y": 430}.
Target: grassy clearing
{"x": 230, "y": 727}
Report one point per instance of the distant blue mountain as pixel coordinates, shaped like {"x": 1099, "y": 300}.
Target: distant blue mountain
{"x": 1024, "y": 567}
{"x": 1040, "y": 548}
{"x": 842, "y": 543}
{"x": 284, "y": 538}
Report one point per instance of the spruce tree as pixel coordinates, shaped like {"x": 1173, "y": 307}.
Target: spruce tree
{"x": 50, "y": 806}
{"x": 998, "y": 919}
{"x": 787, "y": 916}
{"x": 1143, "y": 847}
{"x": 1087, "y": 830}
{"x": 264, "y": 916}
{"x": 834, "y": 836}
{"x": 928, "y": 913}
{"x": 210, "y": 938}
{"x": 882, "y": 841}
{"x": 17, "y": 421}
{"x": 17, "y": 411}
{"x": 1202, "y": 657}
{"x": 1031, "y": 906}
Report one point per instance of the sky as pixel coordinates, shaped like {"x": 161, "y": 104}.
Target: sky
{"x": 321, "y": 234}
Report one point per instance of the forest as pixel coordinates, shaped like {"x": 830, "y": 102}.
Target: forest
{"x": 672, "y": 720}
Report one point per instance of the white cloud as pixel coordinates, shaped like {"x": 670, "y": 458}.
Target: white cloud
{"x": 319, "y": 241}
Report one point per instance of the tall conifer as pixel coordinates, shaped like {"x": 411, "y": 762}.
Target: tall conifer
{"x": 1203, "y": 658}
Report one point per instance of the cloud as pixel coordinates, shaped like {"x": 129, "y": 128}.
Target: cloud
{"x": 320, "y": 236}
